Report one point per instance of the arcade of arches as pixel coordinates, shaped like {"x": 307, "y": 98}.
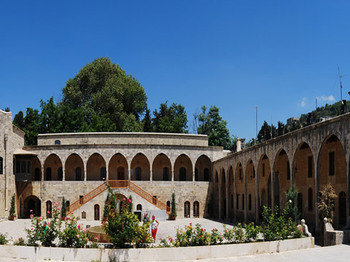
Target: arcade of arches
{"x": 245, "y": 187}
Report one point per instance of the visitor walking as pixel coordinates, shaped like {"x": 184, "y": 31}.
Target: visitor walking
{"x": 154, "y": 227}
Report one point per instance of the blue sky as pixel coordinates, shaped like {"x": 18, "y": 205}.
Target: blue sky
{"x": 279, "y": 56}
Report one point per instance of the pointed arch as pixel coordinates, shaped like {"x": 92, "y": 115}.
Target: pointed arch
{"x": 161, "y": 168}
{"x": 52, "y": 167}
{"x": 140, "y": 168}
{"x": 118, "y": 167}
{"x": 183, "y": 168}
{"x": 203, "y": 168}
{"x": 74, "y": 168}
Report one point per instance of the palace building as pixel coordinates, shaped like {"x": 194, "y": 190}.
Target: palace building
{"x": 207, "y": 181}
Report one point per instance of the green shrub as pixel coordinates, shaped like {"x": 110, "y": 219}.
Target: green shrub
{"x": 19, "y": 242}
{"x": 73, "y": 235}
{"x": 251, "y": 232}
{"x": 3, "y": 240}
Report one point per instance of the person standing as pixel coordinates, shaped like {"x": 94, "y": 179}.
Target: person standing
{"x": 154, "y": 227}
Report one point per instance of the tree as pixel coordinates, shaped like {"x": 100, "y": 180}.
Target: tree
{"x": 291, "y": 209}
{"x": 173, "y": 207}
{"x": 212, "y": 124}
{"x": 102, "y": 90}
{"x": 63, "y": 208}
{"x": 170, "y": 119}
{"x": 147, "y": 121}
{"x": 12, "y": 208}
{"x": 267, "y": 132}
{"x": 326, "y": 202}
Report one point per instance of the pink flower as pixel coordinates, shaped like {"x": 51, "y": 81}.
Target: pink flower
{"x": 78, "y": 226}
{"x": 86, "y": 239}
{"x": 84, "y": 230}
{"x": 225, "y": 230}
{"x": 31, "y": 215}
{"x": 40, "y": 218}
{"x": 124, "y": 199}
{"x": 78, "y": 236}
{"x": 67, "y": 218}
{"x": 31, "y": 229}
{"x": 59, "y": 209}
{"x": 171, "y": 240}
{"x": 48, "y": 223}
{"x": 48, "y": 211}
{"x": 31, "y": 211}
{"x": 96, "y": 237}
{"x": 56, "y": 204}
{"x": 190, "y": 224}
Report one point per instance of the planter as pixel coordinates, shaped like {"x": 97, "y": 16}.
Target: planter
{"x": 12, "y": 218}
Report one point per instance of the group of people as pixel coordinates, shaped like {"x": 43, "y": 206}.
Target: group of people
{"x": 154, "y": 225}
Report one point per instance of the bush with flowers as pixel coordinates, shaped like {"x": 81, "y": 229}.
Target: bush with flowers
{"x": 19, "y": 242}
{"x": 44, "y": 232}
{"x": 73, "y": 235}
{"x": 123, "y": 228}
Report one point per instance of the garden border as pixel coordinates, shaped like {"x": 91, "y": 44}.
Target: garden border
{"x": 155, "y": 254}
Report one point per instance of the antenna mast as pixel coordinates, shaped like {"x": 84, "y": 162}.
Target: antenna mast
{"x": 341, "y": 84}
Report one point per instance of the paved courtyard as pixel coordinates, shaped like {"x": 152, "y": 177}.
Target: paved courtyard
{"x": 340, "y": 253}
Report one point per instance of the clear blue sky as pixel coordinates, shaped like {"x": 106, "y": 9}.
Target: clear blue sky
{"x": 277, "y": 55}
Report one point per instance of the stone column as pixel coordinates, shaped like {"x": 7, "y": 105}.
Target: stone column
{"x": 227, "y": 186}
{"x": 245, "y": 196}
{"x": 272, "y": 191}
{"x": 257, "y": 219}
{"x": 85, "y": 171}
{"x": 194, "y": 174}
{"x": 219, "y": 198}
{"x": 150, "y": 174}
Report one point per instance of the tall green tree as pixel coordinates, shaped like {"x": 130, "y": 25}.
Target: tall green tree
{"x": 267, "y": 132}
{"x": 170, "y": 119}
{"x": 212, "y": 124}
{"x": 102, "y": 90}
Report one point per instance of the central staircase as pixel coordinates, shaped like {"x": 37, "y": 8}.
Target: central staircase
{"x": 118, "y": 184}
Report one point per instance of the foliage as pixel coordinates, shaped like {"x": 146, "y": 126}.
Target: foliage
{"x": 123, "y": 228}
{"x": 147, "y": 121}
{"x": 191, "y": 236}
{"x": 251, "y": 232}
{"x": 73, "y": 235}
{"x": 291, "y": 209}
{"x": 19, "y": 242}
{"x": 267, "y": 132}
{"x": 3, "y": 240}
{"x": 106, "y": 206}
{"x": 44, "y": 232}
{"x": 173, "y": 207}
{"x": 326, "y": 202}
{"x": 212, "y": 124}
{"x": 276, "y": 226}
{"x": 170, "y": 119}
{"x": 13, "y": 208}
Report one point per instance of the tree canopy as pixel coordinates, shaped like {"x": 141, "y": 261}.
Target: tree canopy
{"x": 170, "y": 119}
{"x": 212, "y": 124}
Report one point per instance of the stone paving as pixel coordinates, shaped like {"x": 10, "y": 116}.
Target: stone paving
{"x": 340, "y": 253}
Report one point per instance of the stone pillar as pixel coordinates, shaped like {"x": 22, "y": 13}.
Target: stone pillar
{"x": 150, "y": 174}
{"x": 63, "y": 174}
{"x": 194, "y": 173}
{"x": 245, "y": 196}
{"x": 272, "y": 191}
{"x": 107, "y": 172}
{"x": 85, "y": 171}
{"x": 172, "y": 174}
{"x": 219, "y": 198}
{"x": 257, "y": 219}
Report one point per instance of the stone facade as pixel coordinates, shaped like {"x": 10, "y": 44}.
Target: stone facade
{"x": 207, "y": 181}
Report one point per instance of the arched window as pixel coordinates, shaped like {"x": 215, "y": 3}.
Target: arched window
{"x": 310, "y": 200}
{"x": 168, "y": 203}
{"x": 182, "y": 174}
{"x": 250, "y": 202}
{"x": 103, "y": 173}
{"x": 196, "y": 174}
{"x": 120, "y": 172}
{"x": 37, "y": 174}
{"x": 96, "y": 212}
{"x": 1, "y": 165}
{"x": 57, "y": 142}
{"x": 60, "y": 173}
{"x": 187, "y": 207}
{"x": 139, "y": 207}
{"x": 196, "y": 209}
{"x": 206, "y": 174}
{"x": 78, "y": 174}
{"x": 300, "y": 203}
{"x": 342, "y": 208}
{"x": 138, "y": 173}
{"x": 48, "y": 174}
{"x": 83, "y": 215}
{"x": 165, "y": 174}
{"x": 48, "y": 209}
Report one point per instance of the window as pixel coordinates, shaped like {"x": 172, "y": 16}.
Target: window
{"x": 1, "y": 165}
{"x": 309, "y": 166}
{"x": 165, "y": 174}
{"x": 263, "y": 169}
{"x": 18, "y": 167}
{"x": 187, "y": 209}
{"x": 242, "y": 201}
{"x": 23, "y": 167}
{"x": 37, "y": 174}
{"x": 206, "y": 174}
{"x": 309, "y": 200}
{"x": 196, "y": 174}
{"x": 139, "y": 207}
{"x": 103, "y": 173}
{"x": 57, "y": 142}
{"x": 60, "y": 174}
{"x": 138, "y": 173}
{"x": 250, "y": 202}
{"x": 331, "y": 163}
{"x": 83, "y": 215}
{"x": 288, "y": 171}
{"x": 196, "y": 209}
{"x": 96, "y": 212}
{"x": 182, "y": 174}
{"x": 237, "y": 201}
{"x": 78, "y": 174}
{"x": 48, "y": 173}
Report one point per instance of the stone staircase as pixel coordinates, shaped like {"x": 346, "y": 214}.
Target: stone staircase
{"x": 126, "y": 184}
